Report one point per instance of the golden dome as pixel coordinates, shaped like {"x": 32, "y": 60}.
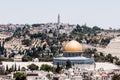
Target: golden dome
{"x": 73, "y": 46}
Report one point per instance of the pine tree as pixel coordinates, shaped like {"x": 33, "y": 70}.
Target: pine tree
{"x": 68, "y": 64}
{"x": 15, "y": 68}
{"x": 7, "y": 68}
{"x": 19, "y": 68}
{"x": 58, "y": 68}
{"x": 12, "y": 68}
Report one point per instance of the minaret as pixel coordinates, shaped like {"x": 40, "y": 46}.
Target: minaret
{"x": 58, "y": 18}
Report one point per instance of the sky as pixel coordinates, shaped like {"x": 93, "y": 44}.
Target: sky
{"x": 101, "y": 13}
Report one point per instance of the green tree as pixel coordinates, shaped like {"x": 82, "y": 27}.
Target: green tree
{"x": 95, "y": 28}
{"x": 2, "y": 71}
{"x": 26, "y": 58}
{"x": 7, "y": 68}
{"x": 58, "y": 69}
{"x": 26, "y": 42}
{"x": 116, "y": 77}
{"x": 23, "y": 69}
{"x": 33, "y": 67}
{"x": 46, "y": 67}
{"x": 118, "y": 63}
{"x": 19, "y": 68}
{"x": 109, "y": 58}
{"x": 54, "y": 49}
{"x": 15, "y": 68}
{"x": 68, "y": 64}
{"x": 12, "y": 68}
{"x": 88, "y": 52}
{"x": 19, "y": 76}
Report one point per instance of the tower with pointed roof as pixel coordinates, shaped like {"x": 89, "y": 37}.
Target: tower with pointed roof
{"x": 58, "y": 19}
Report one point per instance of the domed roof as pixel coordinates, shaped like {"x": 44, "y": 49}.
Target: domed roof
{"x": 73, "y": 46}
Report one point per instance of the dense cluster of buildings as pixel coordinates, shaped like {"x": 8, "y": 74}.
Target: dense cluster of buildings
{"x": 82, "y": 67}
{"x": 14, "y": 45}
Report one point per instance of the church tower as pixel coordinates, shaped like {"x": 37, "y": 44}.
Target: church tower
{"x": 58, "y": 18}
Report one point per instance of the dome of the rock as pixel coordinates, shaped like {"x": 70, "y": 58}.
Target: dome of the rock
{"x": 73, "y": 46}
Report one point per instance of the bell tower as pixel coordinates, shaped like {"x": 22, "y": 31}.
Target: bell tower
{"x": 58, "y": 18}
